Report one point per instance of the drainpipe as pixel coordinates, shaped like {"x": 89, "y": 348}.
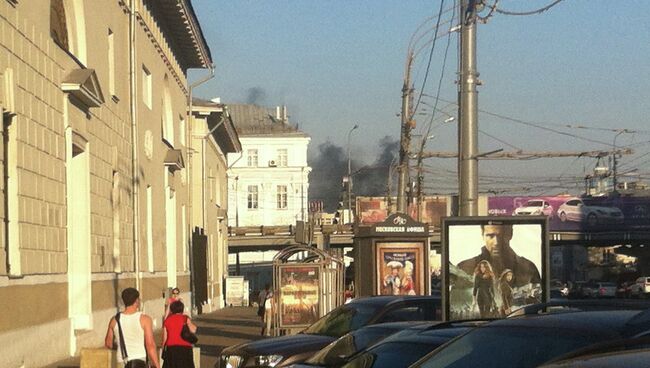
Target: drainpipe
{"x": 189, "y": 178}
{"x": 134, "y": 147}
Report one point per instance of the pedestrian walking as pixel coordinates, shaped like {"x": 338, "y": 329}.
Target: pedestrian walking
{"x": 175, "y": 297}
{"x": 134, "y": 332}
{"x": 268, "y": 314}
{"x": 261, "y": 300}
{"x": 177, "y": 351}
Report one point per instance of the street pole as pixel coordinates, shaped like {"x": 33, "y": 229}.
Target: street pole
{"x": 350, "y": 174}
{"x": 615, "y": 162}
{"x": 405, "y": 137}
{"x": 468, "y": 112}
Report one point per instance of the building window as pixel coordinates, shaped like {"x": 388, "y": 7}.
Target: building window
{"x": 252, "y": 158}
{"x": 111, "y": 62}
{"x": 58, "y": 25}
{"x": 146, "y": 87}
{"x": 168, "y": 134}
{"x": 11, "y": 205}
{"x": 68, "y": 27}
{"x": 282, "y": 157}
{"x": 253, "y": 197}
{"x": 150, "y": 258}
{"x": 282, "y": 196}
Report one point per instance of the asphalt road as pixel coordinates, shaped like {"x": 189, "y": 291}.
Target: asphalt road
{"x": 225, "y": 327}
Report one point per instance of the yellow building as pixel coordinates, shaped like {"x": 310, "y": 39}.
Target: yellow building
{"x": 96, "y": 194}
{"x": 213, "y": 137}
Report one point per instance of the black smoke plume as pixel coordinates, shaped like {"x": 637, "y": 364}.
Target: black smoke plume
{"x": 329, "y": 167}
{"x": 255, "y": 96}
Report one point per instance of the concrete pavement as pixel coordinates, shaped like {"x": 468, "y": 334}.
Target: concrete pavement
{"x": 217, "y": 330}
{"x": 225, "y": 327}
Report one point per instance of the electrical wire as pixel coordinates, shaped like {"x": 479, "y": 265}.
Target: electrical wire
{"x": 531, "y": 12}
{"x": 433, "y": 46}
{"x": 500, "y": 140}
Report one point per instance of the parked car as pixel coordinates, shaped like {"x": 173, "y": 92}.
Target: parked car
{"x": 604, "y": 290}
{"x": 576, "y": 210}
{"x": 534, "y": 207}
{"x": 629, "y": 353}
{"x": 536, "y": 335}
{"x": 339, "y": 352}
{"x": 286, "y": 350}
{"x": 641, "y": 288}
{"x": 402, "y": 349}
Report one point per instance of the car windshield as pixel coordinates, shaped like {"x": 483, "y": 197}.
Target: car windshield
{"x": 348, "y": 345}
{"x": 508, "y": 346}
{"x": 393, "y": 354}
{"x": 342, "y": 320}
{"x": 535, "y": 203}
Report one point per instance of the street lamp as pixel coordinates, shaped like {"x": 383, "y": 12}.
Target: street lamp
{"x": 350, "y": 172}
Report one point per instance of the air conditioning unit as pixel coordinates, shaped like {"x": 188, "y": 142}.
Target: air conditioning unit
{"x": 272, "y": 163}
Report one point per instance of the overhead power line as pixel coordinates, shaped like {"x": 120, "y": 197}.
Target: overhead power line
{"x": 531, "y": 12}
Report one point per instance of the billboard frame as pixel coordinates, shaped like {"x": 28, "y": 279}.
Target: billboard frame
{"x": 447, "y": 222}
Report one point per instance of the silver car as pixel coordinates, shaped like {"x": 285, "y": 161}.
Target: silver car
{"x": 576, "y": 210}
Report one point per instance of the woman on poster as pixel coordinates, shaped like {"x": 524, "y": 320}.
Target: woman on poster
{"x": 408, "y": 286}
{"x": 506, "y": 291}
{"x": 484, "y": 289}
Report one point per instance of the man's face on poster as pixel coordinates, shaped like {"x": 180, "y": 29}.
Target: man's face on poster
{"x": 496, "y": 237}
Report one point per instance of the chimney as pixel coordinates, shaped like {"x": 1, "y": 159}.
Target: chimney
{"x": 284, "y": 114}
{"x": 277, "y": 113}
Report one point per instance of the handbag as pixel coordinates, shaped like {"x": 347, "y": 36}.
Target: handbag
{"x": 187, "y": 335}
{"x": 163, "y": 355}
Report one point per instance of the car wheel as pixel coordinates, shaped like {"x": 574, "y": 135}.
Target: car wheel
{"x": 562, "y": 216}
{"x": 592, "y": 220}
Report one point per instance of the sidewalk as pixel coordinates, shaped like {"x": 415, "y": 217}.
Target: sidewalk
{"x": 225, "y": 327}
{"x": 217, "y": 330}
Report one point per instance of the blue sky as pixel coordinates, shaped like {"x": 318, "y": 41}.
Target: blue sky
{"x": 338, "y": 63}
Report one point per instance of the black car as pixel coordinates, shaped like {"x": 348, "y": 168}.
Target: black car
{"x": 537, "y": 336}
{"x": 628, "y": 353}
{"x": 285, "y": 350}
{"x": 402, "y": 349}
{"x": 339, "y": 352}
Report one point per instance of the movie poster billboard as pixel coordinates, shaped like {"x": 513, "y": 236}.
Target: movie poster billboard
{"x": 493, "y": 265}
{"x": 569, "y": 213}
{"x": 299, "y": 295}
{"x": 372, "y": 210}
{"x": 400, "y": 268}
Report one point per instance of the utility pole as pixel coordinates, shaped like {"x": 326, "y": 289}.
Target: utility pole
{"x": 405, "y": 137}
{"x": 468, "y": 112}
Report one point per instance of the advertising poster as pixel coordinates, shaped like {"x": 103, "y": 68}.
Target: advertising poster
{"x": 299, "y": 295}
{"x": 235, "y": 291}
{"x": 494, "y": 266}
{"x": 400, "y": 268}
{"x": 568, "y": 213}
{"x": 372, "y": 210}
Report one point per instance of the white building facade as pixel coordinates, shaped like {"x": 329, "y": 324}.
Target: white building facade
{"x": 268, "y": 181}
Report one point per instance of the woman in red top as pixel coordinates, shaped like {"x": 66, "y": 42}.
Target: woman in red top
{"x": 179, "y": 352}
{"x": 176, "y": 297}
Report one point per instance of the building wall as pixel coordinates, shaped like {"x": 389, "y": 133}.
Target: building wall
{"x": 267, "y": 177}
{"x": 209, "y": 199}
{"x": 46, "y": 122}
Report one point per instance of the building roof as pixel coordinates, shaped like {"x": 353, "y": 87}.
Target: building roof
{"x": 225, "y": 134}
{"x": 182, "y": 30}
{"x": 257, "y": 121}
